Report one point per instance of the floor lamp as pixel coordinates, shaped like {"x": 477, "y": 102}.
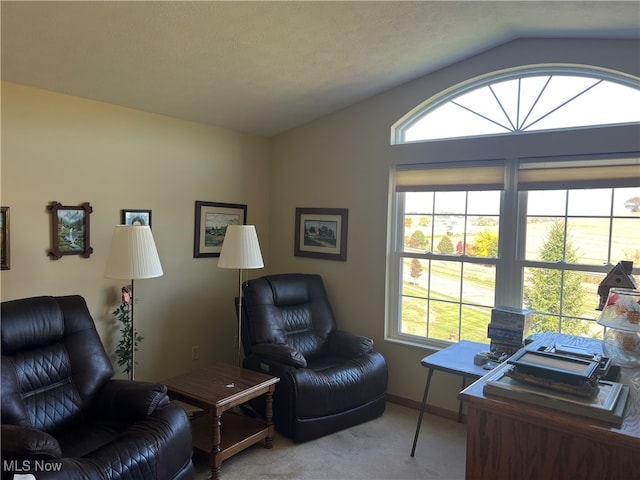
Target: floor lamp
{"x": 133, "y": 255}
{"x": 240, "y": 250}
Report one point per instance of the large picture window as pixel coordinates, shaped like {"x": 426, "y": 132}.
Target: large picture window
{"x": 451, "y": 256}
{"x": 538, "y": 233}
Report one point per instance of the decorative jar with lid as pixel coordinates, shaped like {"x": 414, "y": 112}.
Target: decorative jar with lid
{"x": 621, "y": 319}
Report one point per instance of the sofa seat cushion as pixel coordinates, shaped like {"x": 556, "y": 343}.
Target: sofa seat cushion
{"x": 331, "y": 386}
{"x": 112, "y": 448}
{"x": 144, "y": 449}
{"x": 88, "y": 437}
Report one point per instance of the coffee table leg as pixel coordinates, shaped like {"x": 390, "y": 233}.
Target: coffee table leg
{"x": 268, "y": 413}
{"x": 214, "y": 458}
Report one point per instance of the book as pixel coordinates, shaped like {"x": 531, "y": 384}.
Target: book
{"x": 607, "y": 405}
{"x": 505, "y": 334}
{"x": 511, "y": 317}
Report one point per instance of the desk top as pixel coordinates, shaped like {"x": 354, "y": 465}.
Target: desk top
{"x": 457, "y": 359}
{"x": 627, "y": 433}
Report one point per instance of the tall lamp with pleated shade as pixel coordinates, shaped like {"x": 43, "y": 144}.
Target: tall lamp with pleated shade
{"x": 133, "y": 256}
{"x": 240, "y": 250}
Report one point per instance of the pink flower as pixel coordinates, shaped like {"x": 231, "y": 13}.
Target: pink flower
{"x": 126, "y": 295}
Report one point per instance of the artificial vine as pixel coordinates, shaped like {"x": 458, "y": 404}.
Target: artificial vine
{"x": 123, "y": 314}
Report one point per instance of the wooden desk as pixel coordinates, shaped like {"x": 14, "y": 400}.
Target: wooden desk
{"x": 456, "y": 359}
{"x": 216, "y": 389}
{"x": 515, "y": 440}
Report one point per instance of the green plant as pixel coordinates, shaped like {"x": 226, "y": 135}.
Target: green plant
{"x": 556, "y": 292}
{"x": 445, "y": 245}
{"x": 124, "y": 349}
{"x": 486, "y": 244}
{"x": 418, "y": 240}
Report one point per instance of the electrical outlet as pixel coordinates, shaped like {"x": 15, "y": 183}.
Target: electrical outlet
{"x": 195, "y": 352}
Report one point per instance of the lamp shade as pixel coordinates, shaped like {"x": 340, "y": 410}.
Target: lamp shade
{"x": 133, "y": 253}
{"x": 240, "y": 248}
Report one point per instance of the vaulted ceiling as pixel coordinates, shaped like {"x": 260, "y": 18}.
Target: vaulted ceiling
{"x": 266, "y": 67}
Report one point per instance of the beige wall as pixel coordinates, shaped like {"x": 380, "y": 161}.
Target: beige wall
{"x": 56, "y": 147}
{"x": 72, "y": 150}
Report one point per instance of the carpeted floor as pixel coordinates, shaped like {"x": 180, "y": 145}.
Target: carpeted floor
{"x": 376, "y": 450}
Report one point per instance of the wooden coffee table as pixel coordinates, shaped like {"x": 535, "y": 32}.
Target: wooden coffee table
{"x": 216, "y": 389}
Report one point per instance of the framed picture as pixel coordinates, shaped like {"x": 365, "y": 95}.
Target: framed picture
{"x": 69, "y": 230}
{"x": 321, "y": 233}
{"x": 135, "y": 217}
{"x": 211, "y": 224}
{"x": 4, "y": 240}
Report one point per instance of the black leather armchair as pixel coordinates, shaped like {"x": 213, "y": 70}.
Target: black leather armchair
{"x": 329, "y": 379}
{"x": 63, "y": 417}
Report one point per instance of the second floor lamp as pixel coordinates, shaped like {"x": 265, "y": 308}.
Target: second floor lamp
{"x": 240, "y": 250}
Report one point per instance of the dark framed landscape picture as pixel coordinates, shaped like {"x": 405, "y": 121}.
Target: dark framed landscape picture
{"x": 4, "y": 240}
{"x": 211, "y": 223}
{"x": 70, "y": 230}
{"x": 321, "y": 233}
{"x": 135, "y": 217}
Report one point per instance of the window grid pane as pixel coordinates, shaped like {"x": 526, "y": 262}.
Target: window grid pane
{"x": 443, "y": 299}
{"x": 447, "y": 297}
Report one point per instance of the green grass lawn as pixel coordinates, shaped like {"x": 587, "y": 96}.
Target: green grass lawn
{"x": 445, "y": 317}
{"x": 590, "y": 238}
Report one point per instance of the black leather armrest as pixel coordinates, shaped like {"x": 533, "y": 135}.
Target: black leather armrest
{"x": 280, "y": 353}
{"x": 129, "y": 400}
{"x": 24, "y": 442}
{"x": 349, "y": 345}
{"x": 266, "y": 365}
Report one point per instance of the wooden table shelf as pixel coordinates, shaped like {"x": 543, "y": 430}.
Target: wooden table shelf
{"x": 237, "y": 432}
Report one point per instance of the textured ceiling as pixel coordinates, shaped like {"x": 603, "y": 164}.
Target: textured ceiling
{"x": 265, "y": 67}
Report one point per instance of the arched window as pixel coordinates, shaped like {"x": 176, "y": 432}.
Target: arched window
{"x": 531, "y": 209}
{"x": 525, "y": 101}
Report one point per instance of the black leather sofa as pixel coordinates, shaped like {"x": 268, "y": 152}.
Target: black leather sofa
{"x": 64, "y": 417}
{"x": 329, "y": 379}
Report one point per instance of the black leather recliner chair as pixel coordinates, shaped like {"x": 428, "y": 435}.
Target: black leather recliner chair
{"x": 63, "y": 417}
{"x": 329, "y": 379}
